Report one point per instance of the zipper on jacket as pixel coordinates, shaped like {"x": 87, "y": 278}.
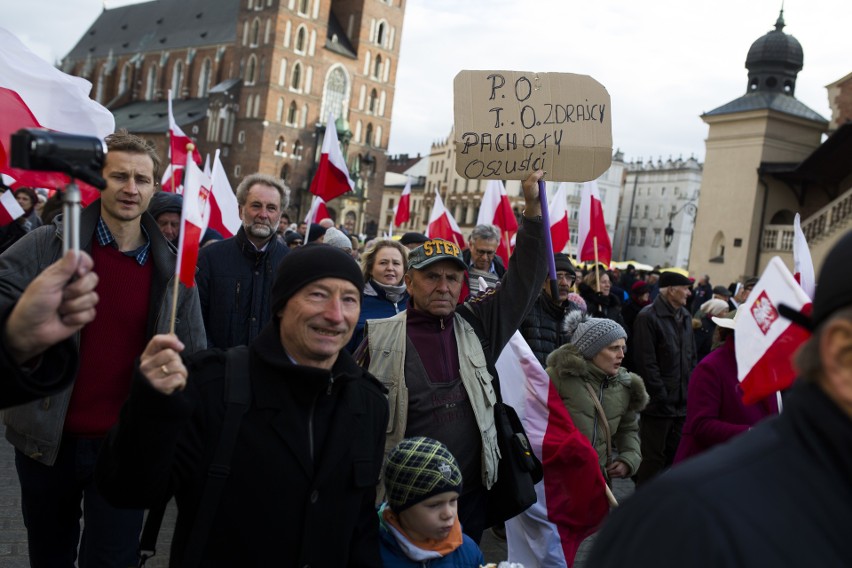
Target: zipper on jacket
{"x": 330, "y": 384}
{"x": 237, "y": 295}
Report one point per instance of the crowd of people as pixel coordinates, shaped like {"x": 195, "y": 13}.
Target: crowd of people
{"x": 316, "y": 400}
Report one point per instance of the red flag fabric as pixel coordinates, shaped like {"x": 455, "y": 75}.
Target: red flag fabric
{"x": 403, "y": 208}
{"x": 34, "y": 94}
{"x": 178, "y": 143}
{"x": 560, "y": 233}
{"x": 765, "y": 340}
{"x": 442, "y": 225}
{"x": 192, "y": 223}
{"x": 332, "y": 177}
{"x": 592, "y": 227}
{"x": 10, "y": 209}
{"x": 571, "y": 498}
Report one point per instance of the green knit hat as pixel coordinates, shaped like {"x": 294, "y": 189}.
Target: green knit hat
{"x": 418, "y": 468}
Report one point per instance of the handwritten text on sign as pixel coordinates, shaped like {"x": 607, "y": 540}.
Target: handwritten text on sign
{"x": 508, "y": 123}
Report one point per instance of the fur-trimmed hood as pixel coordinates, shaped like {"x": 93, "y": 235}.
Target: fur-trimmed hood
{"x": 566, "y": 363}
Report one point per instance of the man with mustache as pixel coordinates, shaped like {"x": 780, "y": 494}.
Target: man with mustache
{"x": 235, "y": 275}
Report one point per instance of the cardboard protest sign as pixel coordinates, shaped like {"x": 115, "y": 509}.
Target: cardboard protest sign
{"x": 509, "y": 123}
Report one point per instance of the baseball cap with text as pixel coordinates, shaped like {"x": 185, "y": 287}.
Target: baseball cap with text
{"x": 432, "y": 251}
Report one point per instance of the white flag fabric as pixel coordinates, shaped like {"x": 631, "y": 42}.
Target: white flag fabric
{"x": 803, "y": 265}
{"x": 766, "y": 341}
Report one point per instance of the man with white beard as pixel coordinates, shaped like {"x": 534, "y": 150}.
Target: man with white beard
{"x": 235, "y": 275}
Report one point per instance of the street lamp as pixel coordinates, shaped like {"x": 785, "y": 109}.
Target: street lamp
{"x": 668, "y": 234}
{"x": 363, "y": 168}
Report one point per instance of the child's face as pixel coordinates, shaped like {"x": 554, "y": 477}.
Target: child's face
{"x": 432, "y": 518}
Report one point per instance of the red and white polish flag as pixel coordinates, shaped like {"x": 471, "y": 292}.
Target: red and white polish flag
{"x": 403, "y": 209}
{"x": 496, "y": 209}
{"x": 560, "y": 233}
{"x": 178, "y": 143}
{"x": 572, "y": 498}
{"x": 316, "y": 213}
{"x": 192, "y": 222}
{"x": 442, "y": 225}
{"x": 224, "y": 209}
{"x": 10, "y": 209}
{"x": 34, "y": 94}
{"x": 591, "y": 227}
{"x": 332, "y": 177}
{"x": 766, "y": 341}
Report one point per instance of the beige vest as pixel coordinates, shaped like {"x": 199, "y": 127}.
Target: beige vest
{"x": 387, "y": 339}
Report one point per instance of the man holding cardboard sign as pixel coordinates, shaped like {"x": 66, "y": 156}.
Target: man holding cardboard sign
{"x": 432, "y": 359}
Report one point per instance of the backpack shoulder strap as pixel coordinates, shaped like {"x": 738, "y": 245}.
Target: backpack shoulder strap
{"x": 237, "y": 399}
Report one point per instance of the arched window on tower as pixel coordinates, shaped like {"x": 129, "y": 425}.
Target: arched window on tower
{"x": 377, "y": 68}
{"x": 301, "y": 42}
{"x": 380, "y": 34}
{"x": 336, "y": 91}
{"x": 255, "y": 33}
{"x": 292, "y": 114}
{"x": 368, "y": 136}
{"x": 717, "y": 249}
{"x": 374, "y": 96}
{"x": 251, "y": 70}
{"x": 296, "y": 77}
{"x": 279, "y": 110}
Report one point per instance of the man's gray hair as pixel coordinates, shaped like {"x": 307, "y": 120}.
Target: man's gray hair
{"x": 250, "y": 180}
{"x": 485, "y": 232}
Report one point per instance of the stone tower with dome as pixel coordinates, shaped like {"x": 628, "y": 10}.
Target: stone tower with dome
{"x": 750, "y": 140}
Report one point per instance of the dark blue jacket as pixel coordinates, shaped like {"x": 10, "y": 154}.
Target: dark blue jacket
{"x": 234, "y": 282}
{"x": 374, "y": 307}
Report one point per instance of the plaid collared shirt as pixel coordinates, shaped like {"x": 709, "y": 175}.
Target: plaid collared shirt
{"x": 105, "y": 238}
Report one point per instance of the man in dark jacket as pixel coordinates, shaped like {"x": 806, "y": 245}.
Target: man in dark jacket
{"x": 57, "y": 438}
{"x": 664, "y": 356}
{"x": 543, "y": 327}
{"x": 235, "y": 275}
{"x": 703, "y": 292}
{"x": 301, "y": 486}
{"x": 733, "y": 505}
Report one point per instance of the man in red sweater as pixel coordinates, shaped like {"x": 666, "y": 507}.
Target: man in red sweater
{"x": 57, "y": 438}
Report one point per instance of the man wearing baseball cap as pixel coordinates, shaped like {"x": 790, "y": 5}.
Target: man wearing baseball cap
{"x": 779, "y": 494}
{"x": 664, "y": 356}
{"x": 433, "y": 362}
{"x": 301, "y": 483}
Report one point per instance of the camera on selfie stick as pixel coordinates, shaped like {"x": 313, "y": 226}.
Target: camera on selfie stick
{"x": 81, "y": 157}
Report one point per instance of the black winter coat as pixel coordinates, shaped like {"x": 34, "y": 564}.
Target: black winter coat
{"x": 303, "y": 477}
{"x": 234, "y": 282}
{"x": 779, "y": 495}
{"x": 600, "y": 306}
{"x": 664, "y": 356}
{"x": 542, "y": 327}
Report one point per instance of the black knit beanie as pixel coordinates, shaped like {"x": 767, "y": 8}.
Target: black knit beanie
{"x": 309, "y": 263}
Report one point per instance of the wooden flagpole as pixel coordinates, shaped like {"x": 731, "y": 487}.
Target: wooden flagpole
{"x": 597, "y": 273}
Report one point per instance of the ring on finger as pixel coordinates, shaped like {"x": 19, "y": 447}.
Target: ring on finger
{"x": 165, "y": 370}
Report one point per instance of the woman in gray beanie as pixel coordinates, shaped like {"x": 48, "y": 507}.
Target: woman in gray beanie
{"x": 601, "y": 396}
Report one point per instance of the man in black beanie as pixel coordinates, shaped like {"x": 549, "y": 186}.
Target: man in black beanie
{"x": 663, "y": 348}
{"x": 543, "y": 325}
{"x": 301, "y": 482}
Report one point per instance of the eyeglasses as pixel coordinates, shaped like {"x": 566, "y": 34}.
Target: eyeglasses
{"x": 483, "y": 252}
{"x": 569, "y": 278}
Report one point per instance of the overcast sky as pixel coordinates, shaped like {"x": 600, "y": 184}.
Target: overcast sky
{"x": 664, "y": 62}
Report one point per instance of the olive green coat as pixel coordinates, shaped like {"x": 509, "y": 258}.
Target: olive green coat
{"x": 622, "y": 396}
